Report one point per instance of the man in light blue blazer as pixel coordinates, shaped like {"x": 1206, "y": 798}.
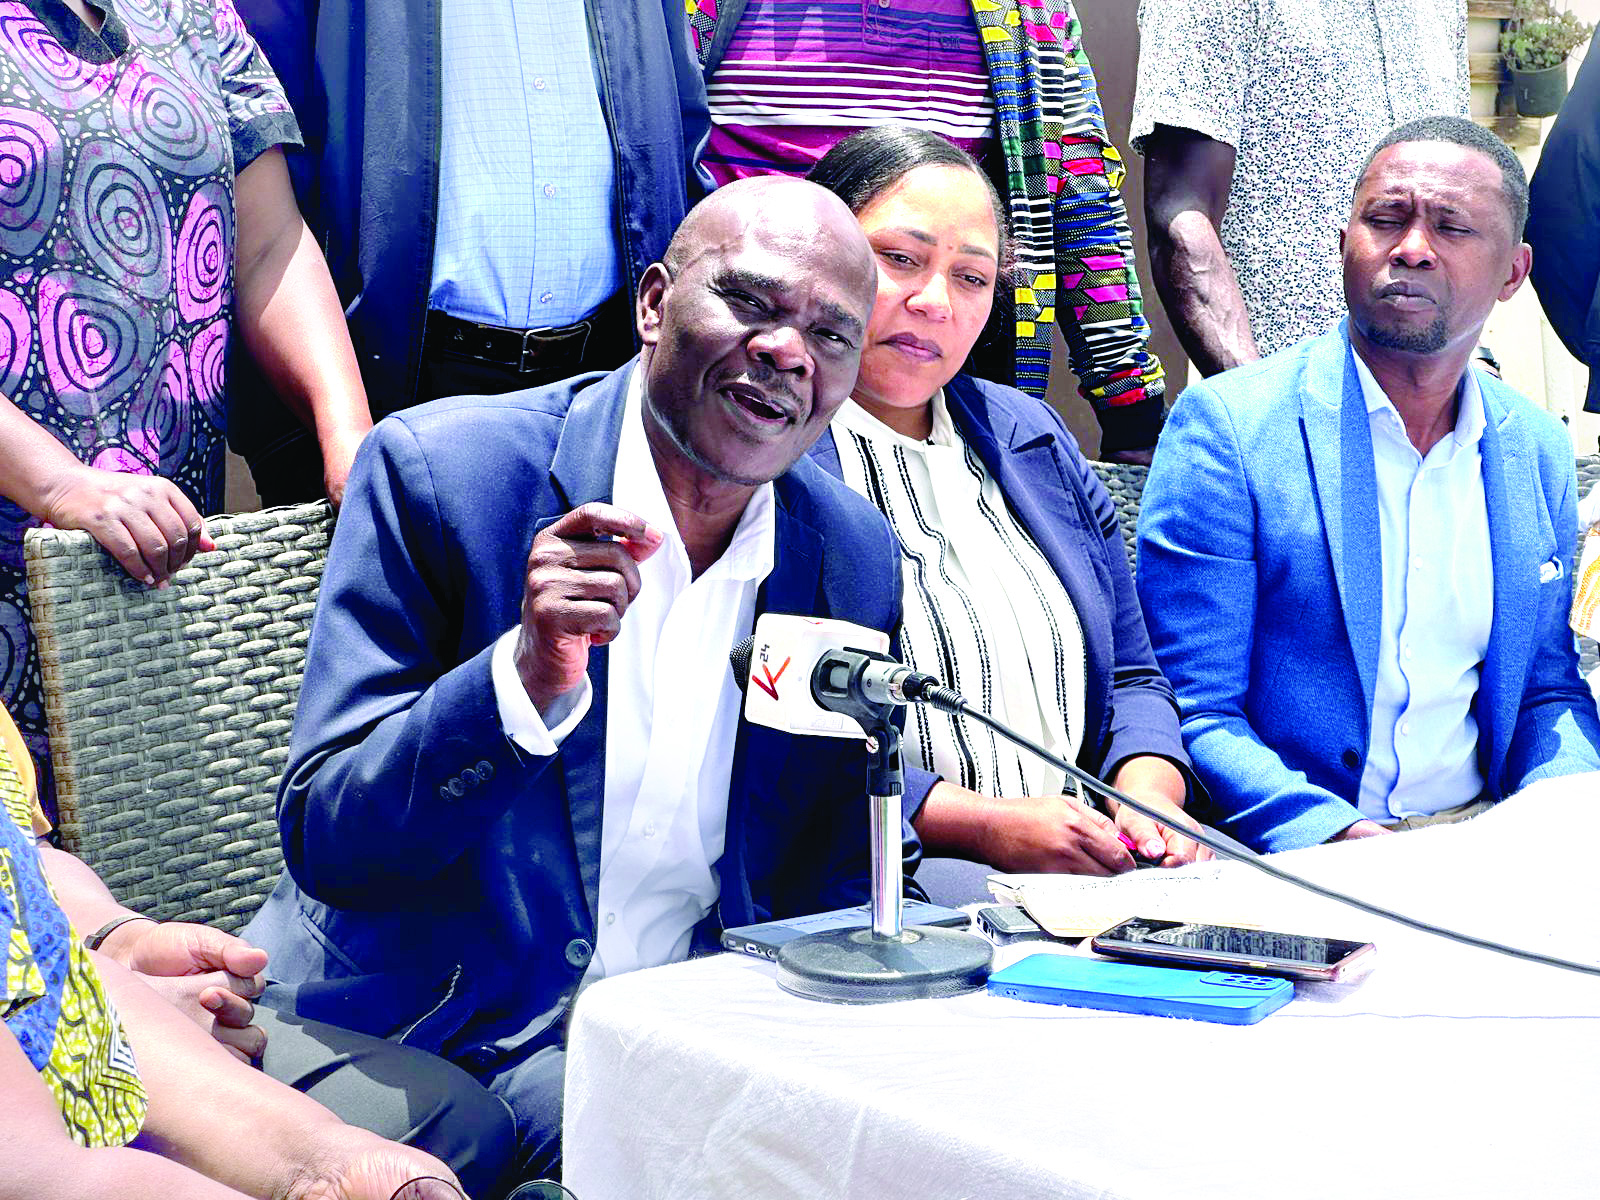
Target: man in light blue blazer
{"x": 1354, "y": 556}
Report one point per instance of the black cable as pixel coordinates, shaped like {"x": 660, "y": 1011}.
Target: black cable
{"x": 950, "y": 701}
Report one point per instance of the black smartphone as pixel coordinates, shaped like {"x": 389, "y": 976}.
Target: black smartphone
{"x": 1185, "y": 942}
{"x": 1007, "y": 923}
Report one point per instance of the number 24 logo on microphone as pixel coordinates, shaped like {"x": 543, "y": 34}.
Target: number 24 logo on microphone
{"x": 768, "y": 684}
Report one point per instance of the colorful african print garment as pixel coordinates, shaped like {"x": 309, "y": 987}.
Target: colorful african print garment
{"x": 51, "y": 999}
{"x": 118, "y": 152}
{"x": 1074, "y": 250}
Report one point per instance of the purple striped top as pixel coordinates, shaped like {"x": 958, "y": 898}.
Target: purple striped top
{"x": 801, "y": 74}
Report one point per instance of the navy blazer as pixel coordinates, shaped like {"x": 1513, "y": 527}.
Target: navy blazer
{"x": 1260, "y": 571}
{"x": 427, "y": 854}
{"x": 1129, "y": 707}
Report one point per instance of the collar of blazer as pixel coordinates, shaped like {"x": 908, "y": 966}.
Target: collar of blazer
{"x": 1339, "y": 444}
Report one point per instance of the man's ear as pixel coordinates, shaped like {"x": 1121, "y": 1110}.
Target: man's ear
{"x": 647, "y": 304}
{"x": 1521, "y": 263}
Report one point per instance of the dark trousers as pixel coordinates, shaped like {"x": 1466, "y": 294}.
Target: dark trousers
{"x": 289, "y": 470}
{"x": 399, "y": 1093}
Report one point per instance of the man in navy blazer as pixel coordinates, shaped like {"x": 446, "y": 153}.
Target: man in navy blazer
{"x": 1354, "y": 555}
{"x": 448, "y": 878}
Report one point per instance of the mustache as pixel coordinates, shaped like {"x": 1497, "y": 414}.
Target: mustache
{"x": 771, "y": 381}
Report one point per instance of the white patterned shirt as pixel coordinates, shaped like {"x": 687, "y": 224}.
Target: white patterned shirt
{"x": 1302, "y": 90}
{"x": 983, "y": 610}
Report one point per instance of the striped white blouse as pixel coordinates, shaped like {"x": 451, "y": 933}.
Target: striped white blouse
{"x": 984, "y": 611}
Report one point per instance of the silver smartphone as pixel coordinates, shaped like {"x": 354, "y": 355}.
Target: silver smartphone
{"x": 1294, "y": 955}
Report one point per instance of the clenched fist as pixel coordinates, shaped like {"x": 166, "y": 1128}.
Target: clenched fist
{"x": 582, "y": 575}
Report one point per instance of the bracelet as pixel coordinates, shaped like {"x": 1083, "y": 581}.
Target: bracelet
{"x": 95, "y": 939}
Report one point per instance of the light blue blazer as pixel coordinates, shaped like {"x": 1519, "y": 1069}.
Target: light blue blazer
{"x": 1259, "y": 571}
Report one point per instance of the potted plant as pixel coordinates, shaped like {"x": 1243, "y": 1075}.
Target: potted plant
{"x": 1535, "y": 45}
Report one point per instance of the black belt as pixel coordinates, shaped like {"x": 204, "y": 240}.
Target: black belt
{"x": 523, "y": 351}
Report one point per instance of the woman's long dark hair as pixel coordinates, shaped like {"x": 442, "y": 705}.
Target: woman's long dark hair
{"x": 864, "y": 165}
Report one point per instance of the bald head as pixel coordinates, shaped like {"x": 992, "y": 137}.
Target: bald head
{"x": 787, "y": 211}
{"x": 752, "y": 327}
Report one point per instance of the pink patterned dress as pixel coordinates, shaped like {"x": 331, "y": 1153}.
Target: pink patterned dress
{"x": 118, "y": 153}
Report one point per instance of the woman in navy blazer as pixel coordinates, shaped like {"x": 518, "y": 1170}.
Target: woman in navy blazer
{"x": 998, "y": 595}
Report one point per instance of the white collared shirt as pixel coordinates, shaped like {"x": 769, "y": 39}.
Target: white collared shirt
{"x": 671, "y": 718}
{"x": 983, "y": 609}
{"x": 1438, "y": 606}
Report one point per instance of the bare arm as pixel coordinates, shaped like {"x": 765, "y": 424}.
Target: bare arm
{"x": 227, "y": 1122}
{"x": 146, "y": 523}
{"x": 1187, "y": 177}
{"x": 1024, "y": 833}
{"x": 290, "y": 319}
{"x": 40, "y": 1160}
{"x": 210, "y": 976}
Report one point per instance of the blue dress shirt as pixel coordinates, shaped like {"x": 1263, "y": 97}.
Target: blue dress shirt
{"x": 527, "y": 221}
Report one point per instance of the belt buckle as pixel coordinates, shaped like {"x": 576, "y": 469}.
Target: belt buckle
{"x": 536, "y": 340}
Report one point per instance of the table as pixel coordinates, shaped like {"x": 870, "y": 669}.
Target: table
{"x": 1444, "y": 1072}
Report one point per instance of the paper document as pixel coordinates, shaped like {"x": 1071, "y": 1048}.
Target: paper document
{"x": 1074, "y": 906}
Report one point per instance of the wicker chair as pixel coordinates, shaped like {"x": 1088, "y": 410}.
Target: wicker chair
{"x": 170, "y": 710}
{"x": 1125, "y": 482}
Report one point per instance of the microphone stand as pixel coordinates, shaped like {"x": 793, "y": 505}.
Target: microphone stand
{"x": 888, "y": 961}
{"x": 885, "y": 786}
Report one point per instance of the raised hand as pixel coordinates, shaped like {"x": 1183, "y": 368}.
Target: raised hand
{"x": 582, "y": 575}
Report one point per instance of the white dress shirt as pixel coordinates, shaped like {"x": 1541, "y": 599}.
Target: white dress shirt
{"x": 666, "y": 796}
{"x": 983, "y": 609}
{"x": 1438, "y": 605}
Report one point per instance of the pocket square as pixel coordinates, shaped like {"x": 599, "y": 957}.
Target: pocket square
{"x": 1551, "y": 569}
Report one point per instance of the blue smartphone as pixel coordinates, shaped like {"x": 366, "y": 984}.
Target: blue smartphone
{"x": 1224, "y": 996}
{"x": 764, "y": 939}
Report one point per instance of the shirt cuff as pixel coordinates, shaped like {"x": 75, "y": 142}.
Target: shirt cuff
{"x": 518, "y": 716}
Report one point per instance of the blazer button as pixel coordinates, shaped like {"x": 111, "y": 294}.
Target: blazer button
{"x": 485, "y": 770}
{"x": 469, "y": 777}
{"x": 579, "y": 952}
{"x": 457, "y": 788}
{"x": 1351, "y": 759}
{"x": 478, "y": 1058}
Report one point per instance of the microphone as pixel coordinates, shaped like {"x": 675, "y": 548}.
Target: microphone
{"x": 868, "y": 681}
{"x": 796, "y": 678}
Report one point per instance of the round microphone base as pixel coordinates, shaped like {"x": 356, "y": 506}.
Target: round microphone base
{"x": 855, "y": 966}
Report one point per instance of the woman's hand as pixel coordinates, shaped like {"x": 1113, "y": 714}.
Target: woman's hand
{"x": 144, "y": 522}
{"x": 1157, "y": 783}
{"x": 1023, "y": 833}
{"x": 1054, "y": 833}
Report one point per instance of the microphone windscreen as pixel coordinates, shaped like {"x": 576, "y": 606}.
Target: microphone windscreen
{"x": 739, "y": 657}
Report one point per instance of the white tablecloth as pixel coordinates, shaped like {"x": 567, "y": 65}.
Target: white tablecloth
{"x": 1443, "y": 1072}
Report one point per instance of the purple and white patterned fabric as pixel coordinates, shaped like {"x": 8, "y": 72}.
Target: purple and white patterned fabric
{"x": 118, "y": 153}
{"x": 798, "y": 76}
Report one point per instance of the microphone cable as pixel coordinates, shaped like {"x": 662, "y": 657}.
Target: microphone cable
{"x": 950, "y": 701}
